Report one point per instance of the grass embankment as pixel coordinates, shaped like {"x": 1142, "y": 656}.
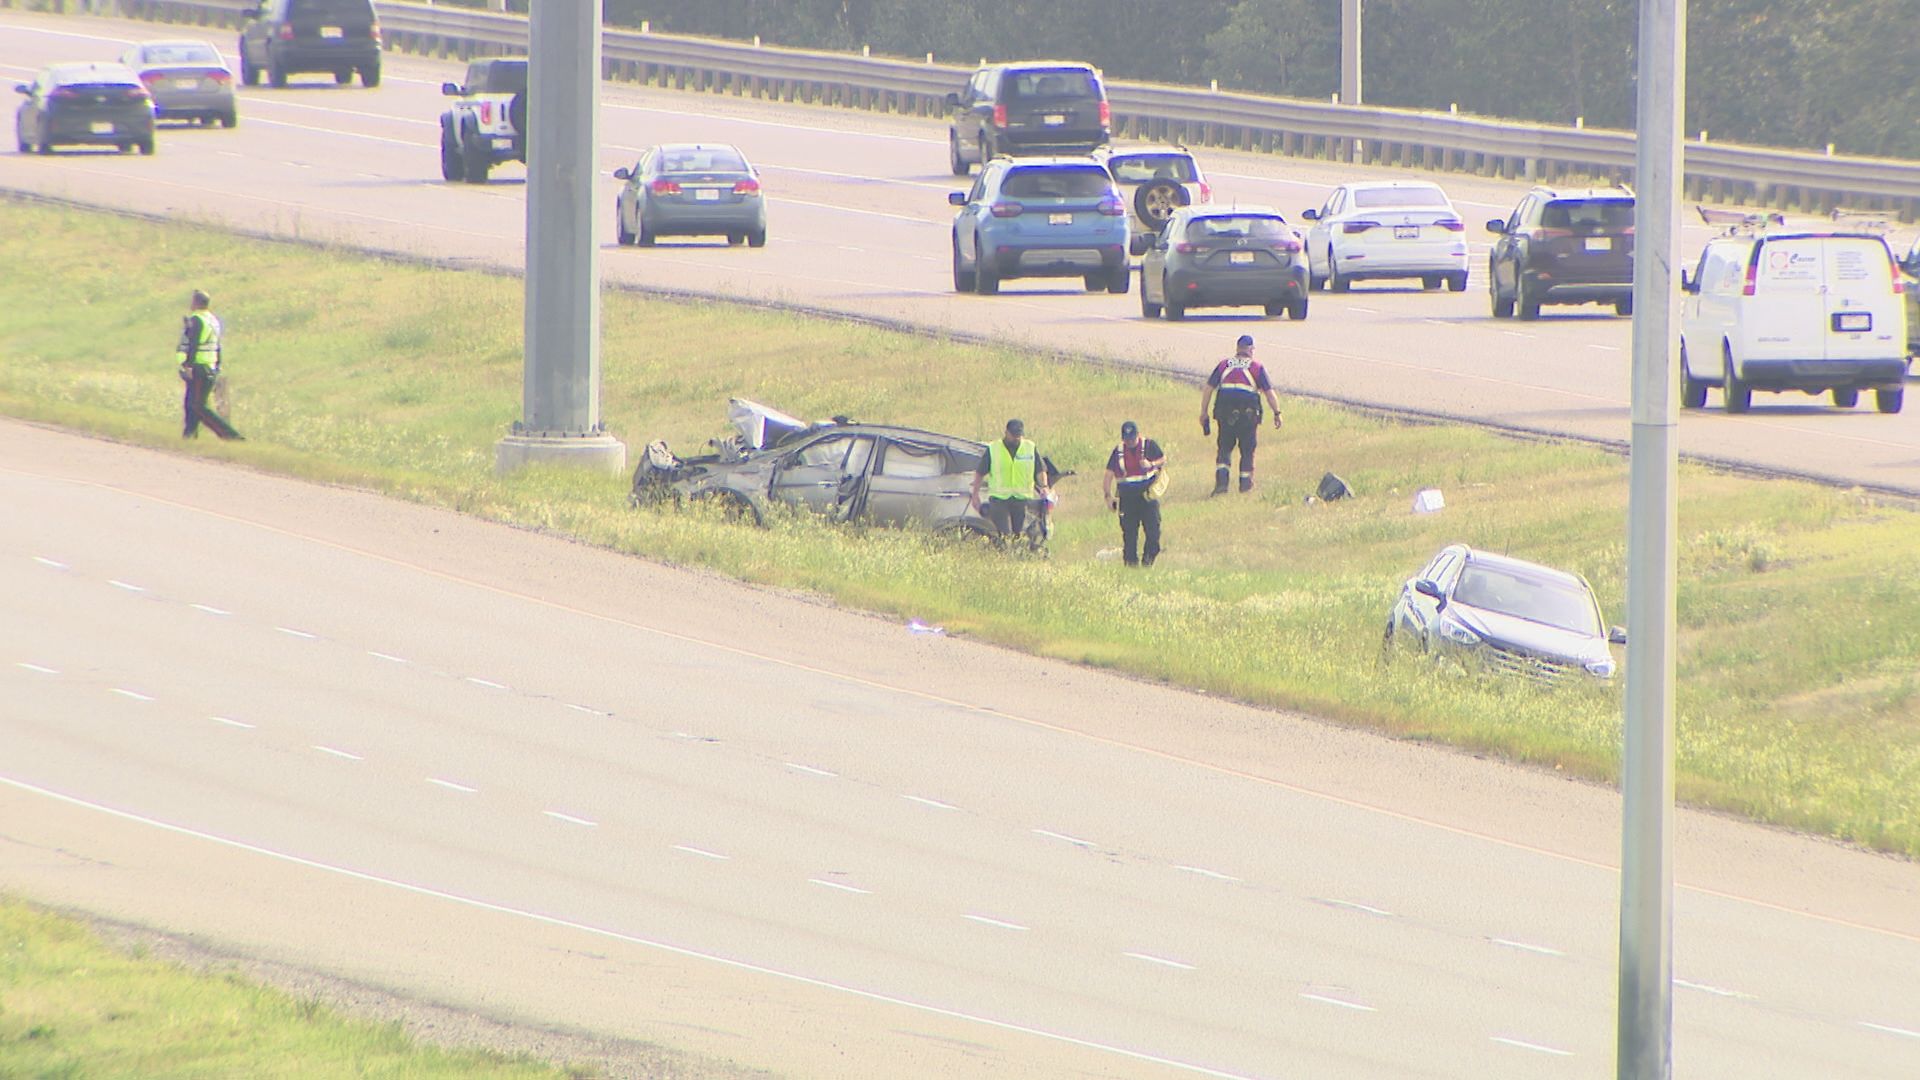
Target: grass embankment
{"x": 1799, "y": 611}
{"x": 72, "y": 1006}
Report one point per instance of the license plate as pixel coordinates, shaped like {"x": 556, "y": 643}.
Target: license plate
{"x": 331, "y": 32}
{"x": 1240, "y": 257}
{"x": 1053, "y": 120}
{"x": 1599, "y": 243}
{"x": 706, "y": 194}
{"x": 1059, "y": 219}
{"x": 503, "y": 142}
{"x": 1857, "y": 322}
{"x": 1406, "y": 232}
{"x": 186, "y": 84}
{"x": 102, "y": 127}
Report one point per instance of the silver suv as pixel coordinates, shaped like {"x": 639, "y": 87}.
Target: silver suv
{"x": 1154, "y": 181}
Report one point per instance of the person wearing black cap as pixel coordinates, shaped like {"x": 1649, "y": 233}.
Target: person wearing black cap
{"x": 1133, "y": 468}
{"x": 1234, "y": 390}
{"x": 1014, "y": 477}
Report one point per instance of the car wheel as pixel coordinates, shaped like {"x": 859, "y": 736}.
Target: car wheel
{"x": 476, "y": 163}
{"x": 1155, "y": 202}
{"x": 621, "y": 233}
{"x": 1171, "y": 307}
{"x": 248, "y": 73}
{"x": 1457, "y": 281}
{"x": 20, "y": 141}
{"x": 1693, "y": 392}
{"x": 1297, "y": 311}
{"x": 453, "y": 167}
{"x": 1525, "y": 304}
{"x": 46, "y": 144}
{"x": 985, "y": 281}
{"x": 1430, "y": 282}
{"x": 1276, "y": 308}
{"x": 757, "y": 238}
{"x": 342, "y": 76}
{"x": 370, "y": 76}
{"x": 276, "y": 75}
{"x": 230, "y": 118}
{"x": 1845, "y": 399}
{"x": 1120, "y": 280}
{"x": 1889, "y": 401}
{"x": 1148, "y": 309}
{"x": 146, "y": 146}
{"x": 962, "y": 277}
{"x": 1623, "y": 307}
{"x": 955, "y": 162}
{"x": 735, "y": 239}
{"x": 1502, "y": 305}
{"x": 123, "y": 148}
{"x": 1737, "y": 395}
{"x": 1094, "y": 282}
{"x": 988, "y": 148}
{"x": 645, "y": 237}
{"x": 1336, "y": 281}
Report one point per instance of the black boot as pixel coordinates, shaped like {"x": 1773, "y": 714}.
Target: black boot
{"x": 1220, "y": 481}
{"x": 1246, "y": 483}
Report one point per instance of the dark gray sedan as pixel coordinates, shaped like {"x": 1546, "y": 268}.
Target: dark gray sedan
{"x": 188, "y": 81}
{"x": 1505, "y": 615}
{"x": 691, "y": 189}
{"x": 1209, "y": 256}
{"x": 90, "y": 104}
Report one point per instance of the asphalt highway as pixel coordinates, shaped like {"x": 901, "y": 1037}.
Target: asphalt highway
{"x": 527, "y": 777}
{"x": 860, "y": 225}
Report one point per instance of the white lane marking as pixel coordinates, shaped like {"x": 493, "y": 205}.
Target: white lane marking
{"x": 584, "y": 709}
{"x": 38, "y": 668}
{"x": 452, "y": 786}
{"x": 690, "y": 737}
{"x": 1604, "y": 348}
{"x": 1890, "y": 1030}
{"x": 209, "y": 610}
{"x": 1439, "y": 322}
{"x": 291, "y": 632}
{"x": 1324, "y": 1000}
{"x": 702, "y": 852}
{"x": 134, "y": 694}
{"x": 837, "y": 885}
{"x": 230, "y": 722}
{"x": 1714, "y": 990}
{"x": 56, "y": 564}
{"x": 477, "y": 681}
{"x": 338, "y": 753}
{"x": 811, "y": 769}
{"x": 1051, "y": 835}
{"x": 1214, "y": 874}
{"x": 1535, "y": 1047}
{"x": 569, "y": 818}
{"x": 1363, "y": 310}
{"x": 987, "y": 920}
{"x": 1354, "y": 906}
{"x": 390, "y": 658}
{"x": 1161, "y": 960}
{"x": 630, "y": 939}
{"x": 129, "y": 586}
{"x": 924, "y": 801}
{"x": 1516, "y": 333}
{"x": 1541, "y": 950}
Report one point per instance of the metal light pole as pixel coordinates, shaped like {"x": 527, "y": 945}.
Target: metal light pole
{"x": 1646, "y": 864}
{"x": 1349, "y": 52}
{"x": 560, "y": 393}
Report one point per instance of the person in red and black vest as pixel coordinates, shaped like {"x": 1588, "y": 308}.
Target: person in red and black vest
{"x": 1234, "y": 390}
{"x": 1132, "y": 468}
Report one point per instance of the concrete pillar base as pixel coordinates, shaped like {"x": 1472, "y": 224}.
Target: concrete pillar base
{"x": 603, "y": 453}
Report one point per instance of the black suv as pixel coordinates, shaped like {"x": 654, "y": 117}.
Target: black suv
{"x": 1563, "y": 247}
{"x": 290, "y": 37}
{"x": 1038, "y": 106}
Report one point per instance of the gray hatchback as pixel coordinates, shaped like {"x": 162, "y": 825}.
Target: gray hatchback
{"x": 1214, "y": 257}
{"x": 188, "y": 81}
{"x": 691, "y": 189}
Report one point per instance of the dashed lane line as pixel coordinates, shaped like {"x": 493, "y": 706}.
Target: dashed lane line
{"x": 1522, "y": 1044}
{"x": 452, "y": 785}
{"x": 1325, "y": 1000}
{"x": 1178, "y": 965}
{"x": 570, "y": 819}
{"x": 344, "y": 754}
{"x": 824, "y": 883}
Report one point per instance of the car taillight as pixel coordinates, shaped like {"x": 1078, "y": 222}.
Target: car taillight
{"x": 1893, "y": 266}
{"x": 286, "y": 33}
{"x": 1290, "y": 245}
{"x": 999, "y": 116}
{"x": 138, "y": 93}
{"x": 1358, "y": 226}
{"x": 62, "y": 93}
{"x": 486, "y": 112}
{"x": 1185, "y": 248}
{"x": 220, "y": 76}
{"x": 1206, "y": 192}
{"x": 1550, "y": 234}
{"x": 1106, "y": 114}
{"x": 149, "y": 76}
{"x": 1112, "y": 206}
{"x": 747, "y": 187}
{"x": 1008, "y": 209}
{"x": 1753, "y": 271}
{"x": 1452, "y": 224}
{"x": 665, "y": 187}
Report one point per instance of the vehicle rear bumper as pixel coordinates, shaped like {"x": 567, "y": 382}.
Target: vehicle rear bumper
{"x": 301, "y": 57}
{"x": 172, "y": 104}
{"x": 79, "y": 129}
{"x": 669, "y": 220}
{"x": 1050, "y": 140}
{"x": 1550, "y": 290}
{"x": 1360, "y": 266}
{"x": 1877, "y": 373}
{"x": 1229, "y": 287}
{"x": 1057, "y": 260}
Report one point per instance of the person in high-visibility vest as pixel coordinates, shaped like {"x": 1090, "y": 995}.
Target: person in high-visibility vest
{"x": 1234, "y": 390}
{"x": 1015, "y": 481}
{"x": 199, "y": 359}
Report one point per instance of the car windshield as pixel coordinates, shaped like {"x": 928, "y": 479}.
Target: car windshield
{"x": 1534, "y": 597}
{"x": 1061, "y": 83}
{"x": 179, "y": 54}
{"x": 1237, "y": 227}
{"x": 703, "y": 160}
{"x": 1588, "y": 215}
{"x": 1141, "y": 168}
{"x": 1058, "y": 182}
{"x": 1399, "y": 196}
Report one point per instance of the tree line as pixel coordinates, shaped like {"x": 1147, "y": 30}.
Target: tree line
{"x": 1790, "y": 73}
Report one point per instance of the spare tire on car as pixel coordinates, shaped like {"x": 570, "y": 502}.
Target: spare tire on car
{"x": 1156, "y": 200}
{"x": 517, "y": 113}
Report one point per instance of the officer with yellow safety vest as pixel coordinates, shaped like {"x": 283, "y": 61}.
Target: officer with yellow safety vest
{"x": 199, "y": 359}
{"x": 1016, "y": 482}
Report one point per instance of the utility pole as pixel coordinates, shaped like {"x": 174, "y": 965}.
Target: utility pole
{"x": 560, "y": 392}
{"x": 1645, "y": 1047}
{"x": 1350, "y": 52}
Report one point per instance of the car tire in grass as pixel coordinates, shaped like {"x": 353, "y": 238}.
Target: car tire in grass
{"x": 1457, "y": 281}
{"x": 986, "y": 282}
{"x": 1121, "y": 279}
{"x": 1737, "y": 396}
{"x": 1889, "y": 401}
{"x": 1845, "y": 399}
{"x": 1693, "y": 392}
{"x": 962, "y": 277}
{"x": 757, "y": 238}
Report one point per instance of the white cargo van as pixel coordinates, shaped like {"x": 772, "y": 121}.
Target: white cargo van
{"x": 1777, "y": 311}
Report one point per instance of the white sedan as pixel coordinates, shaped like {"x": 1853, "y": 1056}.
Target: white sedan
{"x": 1387, "y": 229}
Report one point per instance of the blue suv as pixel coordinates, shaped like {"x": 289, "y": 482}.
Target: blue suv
{"x": 1040, "y": 217}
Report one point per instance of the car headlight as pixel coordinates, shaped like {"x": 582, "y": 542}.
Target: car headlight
{"x": 1458, "y": 634}
{"x": 1601, "y": 669}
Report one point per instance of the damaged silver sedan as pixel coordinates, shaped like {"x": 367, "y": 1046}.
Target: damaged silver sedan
{"x": 876, "y": 474}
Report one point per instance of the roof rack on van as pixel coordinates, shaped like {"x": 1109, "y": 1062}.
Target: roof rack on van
{"x": 1734, "y": 221}
{"x": 1873, "y": 221}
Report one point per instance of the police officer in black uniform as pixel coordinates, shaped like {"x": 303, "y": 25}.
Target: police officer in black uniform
{"x": 1234, "y": 391}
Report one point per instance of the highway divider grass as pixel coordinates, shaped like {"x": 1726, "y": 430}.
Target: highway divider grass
{"x": 72, "y": 1005}
{"x": 1799, "y": 611}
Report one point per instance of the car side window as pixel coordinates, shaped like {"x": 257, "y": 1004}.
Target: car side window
{"x": 1447, "y": 571}
{"x": 831, "y": 451}
{"x": 979, "y": 191}
{"x": 1333, "y": 204}
{"x": 906, "y": 461}
{"x": 1520, "y": 214}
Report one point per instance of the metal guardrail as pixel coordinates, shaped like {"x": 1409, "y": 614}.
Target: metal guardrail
{"x": 1720, "y": 172}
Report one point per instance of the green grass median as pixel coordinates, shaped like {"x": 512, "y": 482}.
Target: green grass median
{"x": 1799, "y": 607}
